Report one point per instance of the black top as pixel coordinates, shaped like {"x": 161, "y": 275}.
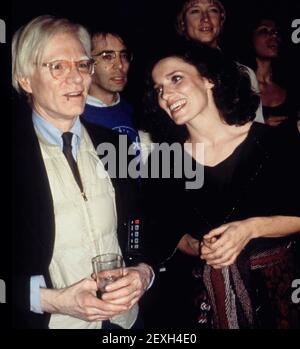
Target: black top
{"x": 278, "y": 110}
{"x": 289, "y": 107}
{"x": 216, "y": 189}
{"x": 260, "y": 178}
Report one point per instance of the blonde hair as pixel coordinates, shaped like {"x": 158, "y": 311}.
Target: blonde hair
{"x": 30, "y": 40}
{"x": 179, "y": 25}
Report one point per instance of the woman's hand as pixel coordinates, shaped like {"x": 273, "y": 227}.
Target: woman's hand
{"x": 221, "y": 246}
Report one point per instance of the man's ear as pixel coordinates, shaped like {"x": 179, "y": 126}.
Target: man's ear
{"x": 25, "y": 83}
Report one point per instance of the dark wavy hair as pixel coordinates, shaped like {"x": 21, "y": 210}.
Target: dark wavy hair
{"x": 281, "y": 73}
{"x": 232, "y": 92}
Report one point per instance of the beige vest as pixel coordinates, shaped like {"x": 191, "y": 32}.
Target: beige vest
{"x": 83, "y": 229}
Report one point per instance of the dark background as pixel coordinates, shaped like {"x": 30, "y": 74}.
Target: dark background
{"x": 151, "y": 21}
{"x": 149, "y": 25}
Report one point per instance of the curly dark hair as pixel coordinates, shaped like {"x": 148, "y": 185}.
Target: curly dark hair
{"x": 232, "y": 92}
{"x": 281, "y": 73}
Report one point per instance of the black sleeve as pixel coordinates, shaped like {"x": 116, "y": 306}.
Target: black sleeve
{"x": 163, "y": 217}
{"x": 285, "y": 176}
{"x": 33, "y": 224}
{"x": 275, "y": 190}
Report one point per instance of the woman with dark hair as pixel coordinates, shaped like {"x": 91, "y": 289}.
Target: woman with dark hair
{"x": 271, "y": 72}
{"x": 202, "y": 21}
{"x": 225, "y": 248}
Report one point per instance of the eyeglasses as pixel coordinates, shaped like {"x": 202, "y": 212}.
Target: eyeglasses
{"x": 111, "y": 56}
{"x": 60, "y": 69}
{"x": 267, "y": 31}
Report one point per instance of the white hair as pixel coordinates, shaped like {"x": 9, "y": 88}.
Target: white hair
{"x": 30, "y": 40}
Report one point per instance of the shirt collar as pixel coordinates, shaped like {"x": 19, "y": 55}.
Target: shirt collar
{"x": 96, "y": 102}
{"x": 52, "y": 134}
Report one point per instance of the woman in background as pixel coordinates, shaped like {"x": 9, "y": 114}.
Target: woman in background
{"x": 278, "y": 98}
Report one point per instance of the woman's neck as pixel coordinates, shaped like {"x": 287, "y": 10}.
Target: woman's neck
{"x": 264, "y": 71}
{"x": 209, "y": 129}
{"x": 218, "y": 142}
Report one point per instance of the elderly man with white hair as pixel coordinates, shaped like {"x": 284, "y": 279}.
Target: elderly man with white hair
{"x": 64, "y": 213}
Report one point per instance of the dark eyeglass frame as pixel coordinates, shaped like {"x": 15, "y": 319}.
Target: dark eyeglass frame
{"x": 107, "y": 53}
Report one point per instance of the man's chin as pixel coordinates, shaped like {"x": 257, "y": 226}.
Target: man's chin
{"x": 118, "y": 87}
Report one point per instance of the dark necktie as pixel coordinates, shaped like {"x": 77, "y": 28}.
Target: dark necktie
{"x": 67, "y": 150}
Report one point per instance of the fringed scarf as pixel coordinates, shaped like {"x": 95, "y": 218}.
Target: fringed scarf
{"x": 227, "y": 293}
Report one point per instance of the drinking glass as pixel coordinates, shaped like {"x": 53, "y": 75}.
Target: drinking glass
{"x": 107, "y": 268}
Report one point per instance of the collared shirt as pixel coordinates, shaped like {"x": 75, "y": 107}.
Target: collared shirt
{"x": 53, "y": 135}
{"x": 96, "y": 102}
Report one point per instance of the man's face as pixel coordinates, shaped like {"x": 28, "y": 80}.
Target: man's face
{"x": 111, "y": 66}
{"x": 59, "y": 99}
{"x": 203, "y": 22}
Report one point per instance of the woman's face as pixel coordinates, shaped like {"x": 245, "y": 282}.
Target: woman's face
{"x": 182, "y": 92}
{"x": 266, "y": 39}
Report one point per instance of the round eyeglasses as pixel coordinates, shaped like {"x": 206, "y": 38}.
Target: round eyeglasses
{"x": 110, "y": 56}
{"x": 60, "y": 69}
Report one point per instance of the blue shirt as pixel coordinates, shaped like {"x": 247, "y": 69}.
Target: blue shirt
{"x": 53, "y": 135}
{"x": 117, "y": 117}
